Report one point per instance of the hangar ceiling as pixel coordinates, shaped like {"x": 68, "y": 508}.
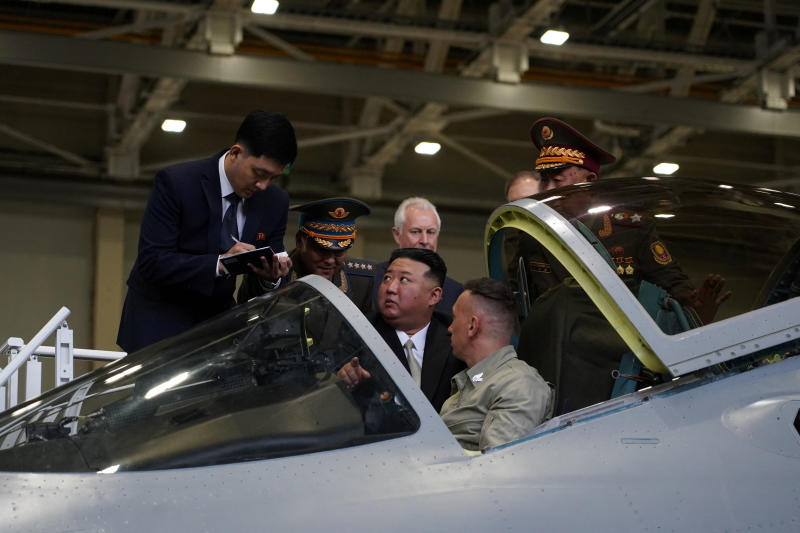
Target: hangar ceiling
{"x": 85, "y": 84}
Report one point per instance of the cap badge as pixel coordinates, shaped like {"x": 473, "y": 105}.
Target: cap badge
{"x": 547, "y": 133}
{"x": 339, "y": 212}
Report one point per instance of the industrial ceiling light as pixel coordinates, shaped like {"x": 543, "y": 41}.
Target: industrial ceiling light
{"x": 427, "y": 148}
{"x": 666, "y": 168}
{"x": 265, "y": 7}
{"x": 554, "y": 37}
{"x": 173, "y": 125}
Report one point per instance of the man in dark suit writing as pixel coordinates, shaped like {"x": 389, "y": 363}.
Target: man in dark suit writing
{"x": 198, "y": 212}
{"x": 408, "y": 293}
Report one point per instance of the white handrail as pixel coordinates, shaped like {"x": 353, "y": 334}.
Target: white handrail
{"x": 82, "y": 353}
{"x": 35, "y": 342}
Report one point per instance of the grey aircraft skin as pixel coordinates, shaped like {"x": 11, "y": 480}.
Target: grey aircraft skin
{"x": 241, "y": 424}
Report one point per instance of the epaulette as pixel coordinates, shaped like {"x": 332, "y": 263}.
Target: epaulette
{"x": 628, "y": 218}
{"x": 359, "y": 267}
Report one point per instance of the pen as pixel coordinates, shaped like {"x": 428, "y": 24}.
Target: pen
{"x": 235, "y": 239}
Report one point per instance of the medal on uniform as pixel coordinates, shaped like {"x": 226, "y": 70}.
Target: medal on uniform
{"x": 606, "y": 230}
{"x": 620, "y": 270}
{"x": 629, "y": 270}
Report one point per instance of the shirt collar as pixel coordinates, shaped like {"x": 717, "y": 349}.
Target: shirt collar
{"x": 486, "y": 367}
{"x": 418, "y": 338}
{"x": 225, "y": 186}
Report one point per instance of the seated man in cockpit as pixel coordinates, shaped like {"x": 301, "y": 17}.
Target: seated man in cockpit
{"x": 497, "y": 398}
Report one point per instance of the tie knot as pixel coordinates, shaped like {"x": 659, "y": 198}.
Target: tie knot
{"x": 409, "y": 345}
{"x": 232, "y": 198}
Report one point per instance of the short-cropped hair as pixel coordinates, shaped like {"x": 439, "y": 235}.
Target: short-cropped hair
{"x": 420, "y": 203}
{"x": 268, "y": 134}
{"x": 437, "y": 270}
{"x": 496, "y": 295}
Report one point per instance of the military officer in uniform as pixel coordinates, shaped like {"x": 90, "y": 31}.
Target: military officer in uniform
{"x": 566, "y": 157}
{"x": 566, "y": 337}
{"x": 327, "y": 229}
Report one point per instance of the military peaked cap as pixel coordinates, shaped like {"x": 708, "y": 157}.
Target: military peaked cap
{"x": 331, "y": 223}
{"x": 560, "y": 146}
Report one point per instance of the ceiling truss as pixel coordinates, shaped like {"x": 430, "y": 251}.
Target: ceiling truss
{"x": 468, "y": 72}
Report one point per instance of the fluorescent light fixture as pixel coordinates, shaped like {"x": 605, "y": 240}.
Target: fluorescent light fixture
{"x": 264, "y": 7}
{"x": 158, "y": 389}
{"x": 666, "y": 168}
{"x": 651, "y": 178}
{"x": 554, "y": 37}
{"x": 599, "y": 209}
{"x": 723, "y": 186}
{"x": 173, "y": 125}
{"x": 110, "y": 470}
{"x": 427, "y": 148}
{"x": 785, "y": 205}
{"x": 664, "y": 215}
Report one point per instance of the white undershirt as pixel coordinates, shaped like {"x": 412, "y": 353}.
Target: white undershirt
{"x": 225, "y": 189}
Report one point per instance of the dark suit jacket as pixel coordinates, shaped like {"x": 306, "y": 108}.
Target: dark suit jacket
{"x": 173, "y": 285}
{"x": 450, "y": 292}
{"x": 438, "y": 363}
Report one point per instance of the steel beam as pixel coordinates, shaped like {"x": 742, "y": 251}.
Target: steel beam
{"x": 46, "y": 146}
{"x": 59, "y": 52}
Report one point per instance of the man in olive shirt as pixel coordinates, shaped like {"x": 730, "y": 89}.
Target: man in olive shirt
{"x": 498, "y": 398}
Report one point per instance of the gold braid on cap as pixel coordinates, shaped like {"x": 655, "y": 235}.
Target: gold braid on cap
{"x": 322, "y": 239}
{"x": 331, "y": 227}
{"x": 323, "y": 242}
{"x": 552, "y": 156}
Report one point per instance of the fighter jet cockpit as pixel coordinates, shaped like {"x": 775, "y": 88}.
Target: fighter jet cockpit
{"x": 685, "y": 253}
{"x": 258, "y": 382}
{"x": 674, "y": 397}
